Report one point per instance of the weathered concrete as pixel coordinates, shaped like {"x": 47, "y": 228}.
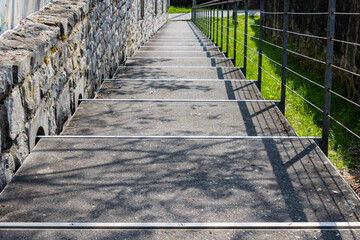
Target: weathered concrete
{"x": 179, "y": 62}
{"x": 89, "y": 180}
{"x": 177, "y": 72}
{"x": 181, "y": 234}
{"x": 180, "y": 16}
{"x": 178, "y": 54}
{"x": 204, "y": 119}
{"x": 178, "y": 89}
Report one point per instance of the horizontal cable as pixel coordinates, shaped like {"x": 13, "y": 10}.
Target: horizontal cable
{"x": 342, "y": 41}
{"x": 308, "y": 13}
{"x": 307, "y": 35}
{"x": 342, "y": 125}
{"x": 279, "y": 64}
{"x": 345, "y": 70}
{"x": 174, "y": 137}
{"x": 271, "y": 28}
{"x": 173, "y": 100}
{"x": 255, "y": 25}
{"x": 297, "y": 13}
{"x": 309, "y": 80}
{"x": 296, "y": 93}
{"x": 271, "y": 44}
{"x": 252, "y": 24}
{"x": 344, "y": 98}
{"x": 286, "y": 68}
{"x": 310, "y": 58}
{"x": 271, "y": 12}
{"x": 346, "y": 13}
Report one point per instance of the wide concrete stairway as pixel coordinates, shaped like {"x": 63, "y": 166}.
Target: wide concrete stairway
{"x": 175, "y": 143}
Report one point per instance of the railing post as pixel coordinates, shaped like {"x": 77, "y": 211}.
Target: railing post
{"x": 213, "y": 24}
{"x": 217, "y": 25}
{"x": 193, "y": 11}
{"x": 328, "y": 76}
{"x": 261, "y": 33}
{"x": 245, "y": 35}
{"x": 227, "y": 29}
{"x": 284, "y": 56}
{"x": 210, "y": 16}
{"x": 235, "y": 31}
{"x": 222, "y": 24}
{"x": 208, "y": 21}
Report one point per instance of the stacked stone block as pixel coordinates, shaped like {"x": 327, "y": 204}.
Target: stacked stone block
{"x": 58, "y": 55}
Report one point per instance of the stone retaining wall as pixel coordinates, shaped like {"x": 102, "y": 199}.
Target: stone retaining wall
{"x": 58, "y": 55}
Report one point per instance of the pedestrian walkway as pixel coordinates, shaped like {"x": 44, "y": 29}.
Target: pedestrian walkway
{"x": 178, "y": 136}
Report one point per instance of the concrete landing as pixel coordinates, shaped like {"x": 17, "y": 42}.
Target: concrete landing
{"x": 182, "y": 180}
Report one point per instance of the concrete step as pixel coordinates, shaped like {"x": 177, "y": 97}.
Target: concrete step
{"x": 178, "y": 54}
{"x": 179, "y": 89}
{"x": 178, "y": 119}
{"x": 179, "y": 73}
{"x": 180, "y": 38}
{"x": 190, "y": 44}
{"x": 97, "y": 180}
{"x": 178, "y": 62}
{"x": 172, "y": 40}
{"x": 179, "y": 48}
{"x": 179, "y": 35}
{"x": 183, "y": 234}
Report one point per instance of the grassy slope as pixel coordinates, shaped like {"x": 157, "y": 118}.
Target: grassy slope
{"x": 177, "y": 9}
{"x": 305, "y": 119}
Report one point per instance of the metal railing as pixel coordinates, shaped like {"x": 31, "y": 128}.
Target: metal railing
{"x": 209, "y": 17}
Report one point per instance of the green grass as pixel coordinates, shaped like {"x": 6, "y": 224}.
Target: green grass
{"x": 305, "y": 119}
{"x": 178, "y": 9}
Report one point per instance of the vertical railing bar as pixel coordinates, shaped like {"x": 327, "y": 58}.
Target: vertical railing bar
{"x": 328, "y": 76}
{"x": 193, "y": 11}
{"x": 227, "y": 29}
{"x": 262, "y": 8}
{"x": 222, "y": 23}
{"x": 235, "y": 31}
{"x": 284, "y": 56}
{"x": 203, "y": 11}
{"x": 208, "y": 22}
{"x": 217, "y": 25}
{"x": 245, "y": 35}
{"x": 213, "y": 24}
